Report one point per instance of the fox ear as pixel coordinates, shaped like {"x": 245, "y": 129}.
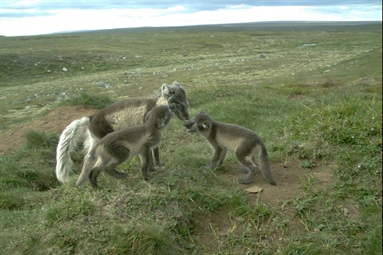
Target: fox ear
{"x": 146, "y": 116}
{"x": 176, "y": 84}
{"x": 161, "y": 122}
{"x": 167, "y": 91}
{"x": 205, "y": 125}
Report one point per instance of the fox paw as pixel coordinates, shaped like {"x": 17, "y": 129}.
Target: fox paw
{"x": 147, "y": 177}
{"x": 245, "y": 180}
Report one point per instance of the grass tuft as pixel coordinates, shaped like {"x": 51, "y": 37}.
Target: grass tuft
{"x": 96, "y": 101}
{"x": 37, "y": 139}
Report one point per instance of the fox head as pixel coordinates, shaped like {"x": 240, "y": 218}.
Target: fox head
{"x": 176, "y": 95}
{"x": 201, "y": 123}
{"x": 160, "y": 116}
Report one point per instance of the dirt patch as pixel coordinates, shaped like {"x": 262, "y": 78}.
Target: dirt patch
{"x": 53, "y": 122}
{"x": 289, "y": 178}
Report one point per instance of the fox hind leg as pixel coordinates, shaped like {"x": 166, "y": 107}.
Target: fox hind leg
{"x": 249, "y": 177}
{"x": 110, "y": 168}
{"x": 246, "y": 170}
{"x": 116, "y": 174}
{"x": 248, "y": 166}
{"x": 121, "y": 154}
{"x": 93, "y": 176}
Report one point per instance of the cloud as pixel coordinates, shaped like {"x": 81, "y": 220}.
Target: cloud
{"x": 29, "y": 17}
{"x": 197, "y": 5}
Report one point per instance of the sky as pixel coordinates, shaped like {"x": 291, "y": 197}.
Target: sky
{"x": 36, "y": 17}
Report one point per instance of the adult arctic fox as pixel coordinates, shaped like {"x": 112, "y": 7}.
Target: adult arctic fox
{"x": 242, "y": 142}
{"x": 126, "y": 113}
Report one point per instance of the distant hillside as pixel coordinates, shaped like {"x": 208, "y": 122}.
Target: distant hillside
{"x": 257, "y": 26}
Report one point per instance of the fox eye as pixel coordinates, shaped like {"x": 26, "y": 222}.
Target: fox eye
{"x": 179, "y": 106}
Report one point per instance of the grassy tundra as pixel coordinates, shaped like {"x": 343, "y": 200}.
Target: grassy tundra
{"x": 313, "y": 92}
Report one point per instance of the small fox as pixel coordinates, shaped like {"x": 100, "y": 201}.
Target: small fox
{"x": 119, "y": 146}
{"x": 242, "y": 142}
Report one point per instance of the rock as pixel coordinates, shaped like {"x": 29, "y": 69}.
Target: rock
{"x": 318, "y": 228}
{"x": 103, "y": 85}
{"x": 254, "y": 189}
{"x": 261, "y": 56}
{"x": 308, "y": 44}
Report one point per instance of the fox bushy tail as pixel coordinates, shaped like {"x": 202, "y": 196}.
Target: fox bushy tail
{"x": 265, "y": 165}
{"x": 72, "y": 134}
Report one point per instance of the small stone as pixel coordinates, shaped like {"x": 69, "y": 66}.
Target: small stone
{"x": 318, "y": 228}
{"x": 345, "y": 211}
{"x": 254, "y": 189}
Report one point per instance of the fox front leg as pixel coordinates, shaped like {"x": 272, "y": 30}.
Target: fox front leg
{"x": 154, "y": 159}
{"x": 222, "y": 156}
{"x": 156, "y": 156}
{"x": 218, "y": 157}
{"x": 145, "y": 163}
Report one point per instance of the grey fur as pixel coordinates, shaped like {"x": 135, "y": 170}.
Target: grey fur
{"x": 243, "y": 143}
{"x": 126, "y": 113}
{"x": 119, "y": 146}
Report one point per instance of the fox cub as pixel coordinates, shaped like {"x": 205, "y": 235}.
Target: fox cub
{"x": 242, "y": 142}
{"x": 119, "y": 146}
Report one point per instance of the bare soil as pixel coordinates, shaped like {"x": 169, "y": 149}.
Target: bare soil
{"x": 288, "y": 177}
{"x": 53, "y": 122}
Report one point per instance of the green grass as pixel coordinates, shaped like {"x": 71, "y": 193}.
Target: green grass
{"x": 95, "y": 101}
{"x": 314, "y": 119}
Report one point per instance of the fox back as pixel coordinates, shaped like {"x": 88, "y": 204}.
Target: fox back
{"x": 131, "y": 112}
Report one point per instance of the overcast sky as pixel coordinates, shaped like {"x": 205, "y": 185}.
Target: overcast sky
{"x": 33, "y": 17}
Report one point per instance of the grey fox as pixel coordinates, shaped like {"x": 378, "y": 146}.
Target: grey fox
{"x": 242, "y": 142}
